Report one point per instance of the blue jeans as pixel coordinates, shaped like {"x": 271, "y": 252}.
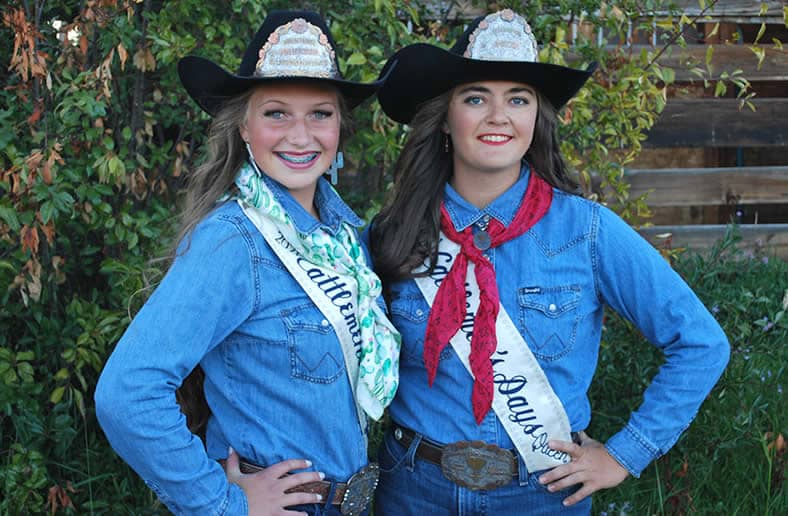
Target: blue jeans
{"x": 322, "y": 509}
{"x": 316, "y": 509}
{"x": 410, "y": 485}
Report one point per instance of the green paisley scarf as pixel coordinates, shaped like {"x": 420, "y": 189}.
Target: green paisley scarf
{"x": 379, "y": 361}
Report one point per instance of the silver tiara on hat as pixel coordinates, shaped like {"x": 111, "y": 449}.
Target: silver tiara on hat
{"x": 502, "y": 36}
{"x": 297, "y": 49}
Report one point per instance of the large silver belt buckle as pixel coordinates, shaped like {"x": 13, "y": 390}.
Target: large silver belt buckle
{"x": 477, "y": 465}
{"x": 360, "y": 489}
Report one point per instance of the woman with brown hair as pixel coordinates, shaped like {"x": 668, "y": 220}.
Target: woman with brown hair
{"x": 497, "y": 275}
{"x": 269, "y": 293}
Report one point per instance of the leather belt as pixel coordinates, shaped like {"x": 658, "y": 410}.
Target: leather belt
{"x": 434, "y": 453}
{"x": 321, "y": 487}
{"x": 352, "y": 496}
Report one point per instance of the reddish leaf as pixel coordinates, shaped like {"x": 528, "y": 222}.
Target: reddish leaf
{"x": 29, "y": 239}
{"x": 123, "y": 55}
{"x": 49, "y": 231}
{"x": 36, "y": 116}
{"x": 83, "y": 44}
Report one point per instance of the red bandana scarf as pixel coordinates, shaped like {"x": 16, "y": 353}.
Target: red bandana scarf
{"x": 448, "y": 308}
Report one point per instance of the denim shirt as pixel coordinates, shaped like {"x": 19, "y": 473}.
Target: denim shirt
{"x": 275, "y": 375}
{"x": 554, "y": 281}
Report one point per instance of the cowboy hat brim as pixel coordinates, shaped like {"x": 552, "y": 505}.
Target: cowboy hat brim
{"x": 210, "y": 85}
{"x": 420, "y": 72}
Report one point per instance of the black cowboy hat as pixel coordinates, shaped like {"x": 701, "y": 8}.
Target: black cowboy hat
{"x": 425, "y": 71}
{"x": 210, "y": 85}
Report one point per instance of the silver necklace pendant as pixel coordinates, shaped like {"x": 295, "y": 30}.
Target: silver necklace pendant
{"x": 481, "y": 240}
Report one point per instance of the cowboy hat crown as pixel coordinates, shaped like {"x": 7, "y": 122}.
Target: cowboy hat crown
{"x": 289, "y": 46}
{"x": 499, "y": 46}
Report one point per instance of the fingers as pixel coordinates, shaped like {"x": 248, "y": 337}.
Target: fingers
{"x": 591, "y": 466}
{"x": 299, "y": 498}
{"x": 297, "y": 479}
{"x": 565, "y": 481}
{"x": 573, "y": 449}
{"x": 232, "y": 467}
{"x": 579, "y": 495}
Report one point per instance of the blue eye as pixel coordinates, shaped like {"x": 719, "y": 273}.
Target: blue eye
{"x": 474, "y": 100}
{"x": 275, "y": 114}
{"x": 519, "y": 101}
{"x": 323, "y": 115}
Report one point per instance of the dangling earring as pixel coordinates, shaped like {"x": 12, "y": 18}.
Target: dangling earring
{"x": 251, "y": 158}
{"x": 338, "y": 163}
{"x": 446, "y": 143}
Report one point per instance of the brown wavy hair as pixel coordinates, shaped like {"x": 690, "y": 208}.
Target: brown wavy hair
{"x": 406, "y": 230}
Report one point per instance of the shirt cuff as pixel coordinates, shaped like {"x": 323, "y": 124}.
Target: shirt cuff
{"x": 632, "y": 450}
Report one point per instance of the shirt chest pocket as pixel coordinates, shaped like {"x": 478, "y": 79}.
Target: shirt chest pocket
{"x": 314, "y": 351}
{"x": 548, "y": 319}
{"x": 409, "y": 314}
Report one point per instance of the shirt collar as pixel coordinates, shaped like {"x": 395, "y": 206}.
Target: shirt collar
{"x": 503, "y": 208}
{"x": 333, "y": 210}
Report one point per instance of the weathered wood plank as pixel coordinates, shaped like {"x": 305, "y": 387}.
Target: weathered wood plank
{"x": 710, "y": 186}
{"x": 721, "y": 123}
{"x": 733, "y": 11}
{"x": 771, "y": 238}
{"x": 726, "y": 58}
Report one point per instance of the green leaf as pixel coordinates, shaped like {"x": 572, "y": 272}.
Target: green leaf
{"x": 761, "y": 31}
{"x": 760, "y": 53}
{"x": 9, "y": 216}
{"x": 57, "y": 394}
{"x": 356, "y": 58}
{"x": 25, "y": 356}
{"x": 133, "y": 239}
{"x": 10, "y": 377}
{"x": 116, "y": 167}
{"x": 668, "y": 75}
{"x": 47, "y": 211}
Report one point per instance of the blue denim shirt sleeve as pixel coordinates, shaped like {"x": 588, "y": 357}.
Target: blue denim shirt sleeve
{"x": 208, "y": 291}
{"x": 638, "y": 283}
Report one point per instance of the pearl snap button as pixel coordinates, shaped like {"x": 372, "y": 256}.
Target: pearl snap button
{"x": 324, "y": 322}
{"x": 419, "y": 312}
{"x": 398, "y": 434}
{"x": 552, "y": 307}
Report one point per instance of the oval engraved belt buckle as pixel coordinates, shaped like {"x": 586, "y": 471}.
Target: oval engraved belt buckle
{"x": 360, "y": 489}
{"x": 477, "y": 465}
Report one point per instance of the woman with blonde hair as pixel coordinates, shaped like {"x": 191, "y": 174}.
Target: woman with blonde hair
{"x": 269, "y": 294}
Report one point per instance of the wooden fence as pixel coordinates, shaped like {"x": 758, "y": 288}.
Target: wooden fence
{"x": 724, "y": 140}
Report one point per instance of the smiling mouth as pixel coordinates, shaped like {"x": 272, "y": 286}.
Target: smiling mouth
{"x": 495, "y": 138}
{"x": 298, "y": 158}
